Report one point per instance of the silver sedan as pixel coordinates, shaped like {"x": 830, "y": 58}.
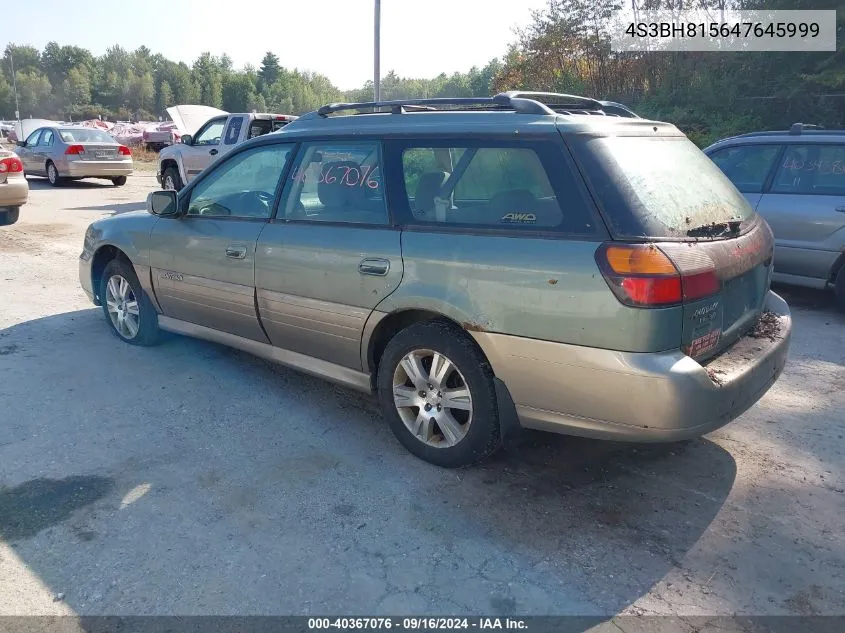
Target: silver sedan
{"x": 71, "y": 153}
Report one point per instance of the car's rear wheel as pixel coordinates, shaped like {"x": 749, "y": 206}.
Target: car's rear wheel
{"x": 9, "y": 215}
{"x": 53, "y": 174}
{"x": 171, "y": 179}
{"x": 839, "y": 289}
{"x": 119, "y": 181}
{"x": 128, "y": 310}
{"x": 436, "y": 390}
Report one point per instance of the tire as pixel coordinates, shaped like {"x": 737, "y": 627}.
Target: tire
{"x": 171, "y": 179}
{"x": 9, "y": 216}
{"x": 471, "y": 435}
{"x": 839, "y": 289}
{"x": 53, "y": 175}
{"x": 119, "y": 181}
{"x": 145, "y": 331}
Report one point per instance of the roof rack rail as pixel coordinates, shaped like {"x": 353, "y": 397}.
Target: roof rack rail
{"x": 521, "y": 102}
{"x": 500, "y": 101}
{"x": 797, "y": 128}
{"x": 556, "y": 99}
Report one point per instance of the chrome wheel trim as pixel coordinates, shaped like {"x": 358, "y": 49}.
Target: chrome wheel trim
{"x": 122, "y": 306}
{"x": 169, "y": 183}
{"x": 432, "y": 398}
{"x": 52, "y": 173}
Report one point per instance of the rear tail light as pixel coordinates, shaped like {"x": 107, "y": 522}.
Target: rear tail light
{"x": 643, "y": 276}
{"x": 74, "y": 150}
{"x": 124, "y": 151}
{"x": 11, "y": 165}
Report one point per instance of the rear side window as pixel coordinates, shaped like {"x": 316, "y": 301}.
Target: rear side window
{"x": 747, "y": 166}
{"x": 234, "y": 130}
{"x": 337, "y": 182}
{"x": 494, "y": 187}
{"x": 260, "y": 127}
{"x": 812, "y": 169}
{"x": 660, "y": 186}
{"x": 46, "y": 138}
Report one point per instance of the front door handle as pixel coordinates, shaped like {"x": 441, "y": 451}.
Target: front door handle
{"x": 236, "y": 252}
{"x": 841, "y": 209}
{"x": 213, "y": 152}
{"x": 374, "y": 266}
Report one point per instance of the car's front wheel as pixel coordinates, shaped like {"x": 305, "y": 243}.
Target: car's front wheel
{"x": 128, "y": 310}
{"x": 437, "y": 393}
{"x": 170, "y": 179}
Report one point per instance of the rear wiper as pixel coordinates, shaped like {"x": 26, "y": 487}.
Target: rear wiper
{"x": 715, "y": 229}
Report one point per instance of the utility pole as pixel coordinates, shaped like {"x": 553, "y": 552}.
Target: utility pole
{"x": 15, "y": 84}
{"x": 377, "y": 53}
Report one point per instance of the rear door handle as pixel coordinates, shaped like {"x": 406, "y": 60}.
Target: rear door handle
{"x": 213, "y": 152}
{"x": 236, "y": 252}
{"x": 841, "y": 209}
{"x": 374, "y": 266}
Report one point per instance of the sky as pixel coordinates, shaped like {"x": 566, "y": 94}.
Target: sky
{"x": 419, "y": 38}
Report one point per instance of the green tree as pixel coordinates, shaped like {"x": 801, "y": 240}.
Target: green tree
{"x": 141, "y": 91}
{"x": 26, "y": 59}
{"x": 269, "y": 71}
{"x": 165, "y": 96}
{"x": 34, "y": 93}
{"x": 77, "y": 88}
{"x": 238, "y": 91}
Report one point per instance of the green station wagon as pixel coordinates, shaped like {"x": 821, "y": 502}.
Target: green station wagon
{"x": 482, "y": 265}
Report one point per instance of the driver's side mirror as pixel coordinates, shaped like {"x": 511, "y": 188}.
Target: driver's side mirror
{"x": 187, "y": 139}
{"x": 21, "y": 143}
{"x": 162, "y": 203}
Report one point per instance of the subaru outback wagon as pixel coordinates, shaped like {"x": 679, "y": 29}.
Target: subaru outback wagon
{"x": 482, "y": 265}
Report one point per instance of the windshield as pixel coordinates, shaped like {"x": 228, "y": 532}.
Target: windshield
{"x": 662, "y": 187}
{"x": 85, "y": 135}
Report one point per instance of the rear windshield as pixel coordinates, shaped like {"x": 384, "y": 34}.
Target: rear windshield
{"x": 84, "y": 135}
{"x": 662, "y": 187}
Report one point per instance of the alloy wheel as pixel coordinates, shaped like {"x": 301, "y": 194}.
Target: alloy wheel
{"x": 123, "y": 308}
{"x": 432, "y": 398}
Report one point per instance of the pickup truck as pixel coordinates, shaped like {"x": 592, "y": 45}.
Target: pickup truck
{"x": 180, "y": 163}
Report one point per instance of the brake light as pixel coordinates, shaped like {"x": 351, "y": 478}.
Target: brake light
{"x": 641, "y": 275}
{"x": 74, "y": 150}
{"x": 11, "y": 165}
{"x": 124, "y": 151}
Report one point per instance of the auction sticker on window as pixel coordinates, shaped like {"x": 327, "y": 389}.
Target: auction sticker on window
{"x": 696, "y": 29}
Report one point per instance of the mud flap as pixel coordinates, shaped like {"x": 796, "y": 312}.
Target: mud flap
{"x": 509, "y": 427}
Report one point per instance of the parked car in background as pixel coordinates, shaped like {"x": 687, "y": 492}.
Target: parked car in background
{"x": 157, "y": 137}
{"x": 493, "y": 284}
{"x": 179, "y": 164}
{"x": 14, "y": 190}
{"x": 73, "y": 153}
{"x": 795, "y": 179}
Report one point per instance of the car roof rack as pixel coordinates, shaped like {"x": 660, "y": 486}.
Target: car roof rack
{"x": 518, "y": 101}
{"x": 796, "y": 129}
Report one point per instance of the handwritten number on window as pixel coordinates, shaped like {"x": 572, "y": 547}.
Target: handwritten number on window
{"x": 348, "y": 176}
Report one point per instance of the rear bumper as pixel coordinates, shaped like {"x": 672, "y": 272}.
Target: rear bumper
{"x": 14, "y": 192}
{"x": 98, "y": 169}
{"x": 85, "y": 281}
{"x": 637, "y": 397}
